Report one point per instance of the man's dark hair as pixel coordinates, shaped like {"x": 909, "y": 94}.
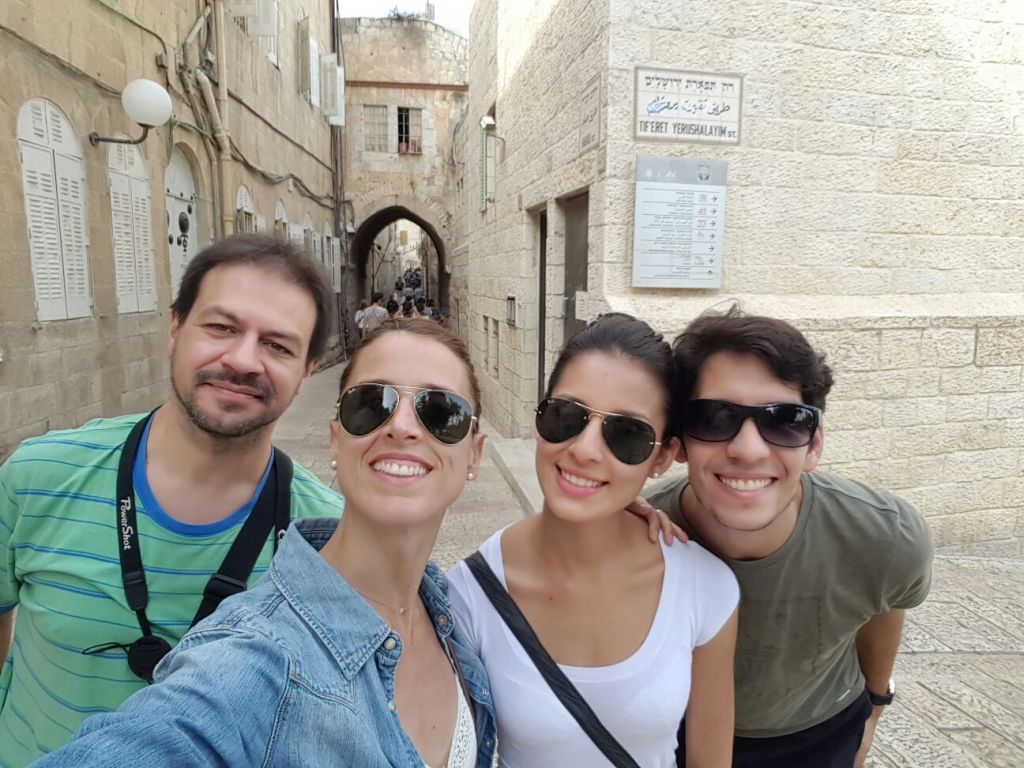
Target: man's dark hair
{"x": 392, "y": 306}
{"x": 776, "y": 343}
{"x": 376, "y": 296}
{"x": 291, "y": 261}
{"x": 617, "y": 333}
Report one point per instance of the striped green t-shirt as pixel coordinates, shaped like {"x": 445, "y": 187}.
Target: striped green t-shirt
{"x": 59, "y": 565}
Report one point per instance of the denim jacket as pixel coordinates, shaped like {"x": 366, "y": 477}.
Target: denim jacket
{"x": 298, "y": 671}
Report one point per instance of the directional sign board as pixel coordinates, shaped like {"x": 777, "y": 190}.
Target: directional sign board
{"x": 679, "y": 222}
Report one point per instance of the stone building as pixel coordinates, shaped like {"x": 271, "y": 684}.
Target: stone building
{"x": 97, "y": 237}
{"x": 870, "y": 158}
{"x": 405, "y": 91}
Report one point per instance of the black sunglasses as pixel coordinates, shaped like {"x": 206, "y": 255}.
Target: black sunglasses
{"x": 447, "y": 416}
{"x": 630, "y": 440}
{"x": 787, "y": 425}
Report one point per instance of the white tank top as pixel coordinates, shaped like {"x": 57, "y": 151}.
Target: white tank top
{"x": 462, "y": 753}
{"x": 640, "y": 699}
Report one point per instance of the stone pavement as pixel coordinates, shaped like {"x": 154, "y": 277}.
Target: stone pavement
{"x": 960, "y": 673}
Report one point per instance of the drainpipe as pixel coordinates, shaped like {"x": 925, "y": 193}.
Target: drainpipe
{"x": 220, "y": 118}
{"x": 185, "y": 75}
{"x": 227, "y": 221}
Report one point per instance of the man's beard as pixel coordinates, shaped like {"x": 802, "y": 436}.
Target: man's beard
{"x": 212, "y": 427}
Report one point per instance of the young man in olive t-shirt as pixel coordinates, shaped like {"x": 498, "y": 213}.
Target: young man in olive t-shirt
{"x": 826, "y": 566}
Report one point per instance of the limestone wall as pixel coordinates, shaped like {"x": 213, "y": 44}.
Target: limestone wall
{"x": 79, "y": 54}
{"x": 874, "y": 200}
{"x": 409, "y": 64}
{"x": 528, "y": 62}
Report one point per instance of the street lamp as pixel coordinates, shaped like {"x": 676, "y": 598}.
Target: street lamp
{"x": 146, "y": 103}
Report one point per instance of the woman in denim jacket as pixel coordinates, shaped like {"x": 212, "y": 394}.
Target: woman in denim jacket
{"x": 344, "y": 653}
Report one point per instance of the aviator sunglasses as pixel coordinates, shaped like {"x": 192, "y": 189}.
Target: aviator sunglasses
{"x": 787, "y": 425}
{"x": 629, "y": 439}
{"x": 447, "y": 416}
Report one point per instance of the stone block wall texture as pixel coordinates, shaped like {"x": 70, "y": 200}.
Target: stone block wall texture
{"x": 528, "y": 62}
{"x": 79, "y": 55}
{"x": 874, "y": 200}
{"x": 403, "y": 63}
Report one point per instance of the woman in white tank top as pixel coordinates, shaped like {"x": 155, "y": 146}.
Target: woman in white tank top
{"x": 645, "y": 633}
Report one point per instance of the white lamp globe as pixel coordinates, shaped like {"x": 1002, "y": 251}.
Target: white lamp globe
{"x": 146, "y": 103}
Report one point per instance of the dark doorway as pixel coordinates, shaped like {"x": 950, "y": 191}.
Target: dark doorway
{"x": 363, "y": 241}
{"x": 577, "y": 225}
{"x": 542, "y": 317}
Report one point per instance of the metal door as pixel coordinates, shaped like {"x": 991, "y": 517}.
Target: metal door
{"x": 577, "y": 224}
{"x": 182, "y": 216}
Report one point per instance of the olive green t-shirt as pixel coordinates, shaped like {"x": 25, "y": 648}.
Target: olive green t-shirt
{"x": 855, "y": 552}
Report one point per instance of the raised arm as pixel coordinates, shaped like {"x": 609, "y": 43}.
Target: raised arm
{"x": 214, "y": 703}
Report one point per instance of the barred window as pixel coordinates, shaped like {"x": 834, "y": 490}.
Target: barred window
{"x": 410, "y": 131}
{"x": 375, "y": 120}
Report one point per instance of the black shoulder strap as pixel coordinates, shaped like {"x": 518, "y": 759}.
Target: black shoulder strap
{"x": 272, "y": 510}
{"x": 560, "y": 685}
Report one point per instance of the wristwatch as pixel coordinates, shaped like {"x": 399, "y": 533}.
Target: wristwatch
{"x": 883, "y": 699}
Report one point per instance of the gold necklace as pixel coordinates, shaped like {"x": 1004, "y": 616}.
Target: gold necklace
{"x": 401, "y": 611}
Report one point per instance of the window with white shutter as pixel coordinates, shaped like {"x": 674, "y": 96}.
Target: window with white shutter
{"x": 53, "y": 183}
{"x": 336, "y": 243}
{"x": 131, "y": 223}
{"x": 314, "y": 72}
{"x": 303, "y": 61}
{"x": 297, "y": 235}
{"x": 338, "y": 117}
{"x": 281, "y": 220}
{"x": 329, "y": 84}
{"x": 245, "y": 211}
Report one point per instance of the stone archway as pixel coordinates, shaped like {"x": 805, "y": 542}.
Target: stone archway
{"x": 374, "y": 223}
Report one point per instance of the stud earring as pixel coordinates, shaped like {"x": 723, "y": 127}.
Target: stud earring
{"x": 470, "y": 476}
{"x": 655, "y": 475}
{"x": 334, "y": 464}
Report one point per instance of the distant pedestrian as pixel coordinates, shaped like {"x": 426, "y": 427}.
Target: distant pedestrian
{"x": 392, "y": 308}
{"x": 374, "y": 315}
{"x": 432, "y": 312}
{"x": 360, "y": 312}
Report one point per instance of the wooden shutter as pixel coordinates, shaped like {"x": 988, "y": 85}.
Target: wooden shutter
{"x": 74, "y": 236}
{"x": 263, "y": 22}
{"x": 338, "y": 118}
{"x": 60, "y": 135}
{"x": 337, "y": 264}
{"x": 243, "y": 9}
{"x": 314, "y": 72}
{"x": 329, "y": 83}
{"x": 302, "y": 54}
{"x": 40, "y": 188}
{"x": 145, "y": 267}
{"x": 32, "y": 122}
{"x": 123, "y": 241}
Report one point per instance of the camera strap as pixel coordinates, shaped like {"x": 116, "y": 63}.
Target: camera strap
{"x": 272, "y": 510}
